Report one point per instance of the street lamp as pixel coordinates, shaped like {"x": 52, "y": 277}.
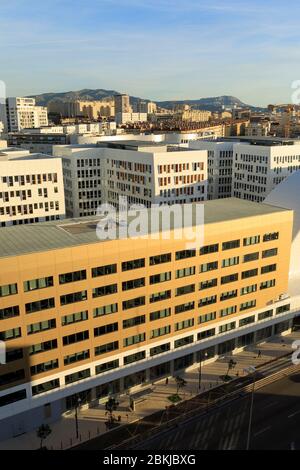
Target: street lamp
{"x": 77, "y": 404}
{"x": 200, "y": 367}
{"x": 250, "y": 370}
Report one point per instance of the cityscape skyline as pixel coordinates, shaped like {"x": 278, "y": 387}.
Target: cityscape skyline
{"x": 187, "y": 52}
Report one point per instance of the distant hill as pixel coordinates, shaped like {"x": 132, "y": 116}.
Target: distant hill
{"x": 212, "y": 104}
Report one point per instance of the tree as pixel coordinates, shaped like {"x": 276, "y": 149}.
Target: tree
{"x": 180, "y": 383}
{"x": 111, "y": 405}
{"x": 43, "y": 432}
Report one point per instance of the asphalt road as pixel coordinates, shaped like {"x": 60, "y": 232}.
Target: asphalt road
{"x": 275, "y": 423}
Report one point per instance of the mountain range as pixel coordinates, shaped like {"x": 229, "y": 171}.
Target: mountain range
{"x": 212, "y": 103}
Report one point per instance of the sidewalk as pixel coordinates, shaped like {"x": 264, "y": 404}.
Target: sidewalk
{"x": 91, "y": 422}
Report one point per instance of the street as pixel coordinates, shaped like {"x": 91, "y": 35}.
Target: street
{"x": 275, "y": 423}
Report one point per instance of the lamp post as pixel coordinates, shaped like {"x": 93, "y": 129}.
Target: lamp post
{"x": 252, "y": 371}
{"x": 200, "y": 367}
{"x": 77, "y": 404}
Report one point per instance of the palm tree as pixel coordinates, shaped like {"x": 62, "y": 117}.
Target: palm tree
{"x": 43, "y": 432}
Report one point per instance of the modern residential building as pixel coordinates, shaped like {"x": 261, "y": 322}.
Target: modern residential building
{"x": 22, "y": 113}
{"x": 122, "y": 104}
{"x": 84, "y": 318}
{"x": 91, "y": 109}
{"x": 125, "y": 118}
{"x": 31, "y": 187}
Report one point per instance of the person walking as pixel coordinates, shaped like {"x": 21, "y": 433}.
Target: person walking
{"x": 259, "y": 353}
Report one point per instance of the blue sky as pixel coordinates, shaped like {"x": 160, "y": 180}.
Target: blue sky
{"x": 157, "y": 49}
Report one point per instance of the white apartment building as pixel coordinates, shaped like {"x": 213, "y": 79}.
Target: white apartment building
{"x": 31, "y": 187}
{"x": 22, "y": 113}
{"x": 124, "y": 118}
{"x": 220, "y": 159}
{"x": 145, "y": 172}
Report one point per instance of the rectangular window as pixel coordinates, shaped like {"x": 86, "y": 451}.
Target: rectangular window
{"x": 224, "y": 312}
{"x": 227, "y": 327}
{"x": 40, "y": 283}
{"x": 268, "y": 237}
{"x": 160, "y": 259}
{"x": 8, "y": 289}
{"x": 208, "y": 267}
{"x": 41, "y": 326}
{"x": 229, "y": 278}
{"x": 166, "y": 312}
{"x": 264, "y": 315}
{"x": 184, "y": 307}
{"x": 248, "y": 289}
{"x": 105, "y": 290}
{"x": 206, "y": 334}
{"x": 230, "y": 245}
{"x": 251, "y": 240}
{"x": 183, "y": 290}
{"x": 207, "y": 301}
{"x": 205, "y": 250}
{"x": 268, "y": 269}
{"x": 270, "y": 253}
{"x": 105, "y": 310}
{"x": 247, "y": 305}
{"x": 182, "y": 325}
{"x": 74, "y": 318}
{"x": 44, "y": 367}
{"x": 10, "y": 334}
{"x": 178, "y": 343}
{"x": 230, "y": 262}
{"x": 9, "y": 312}
{"x": 247, "y": 321}
{"x": 134, "y": 357}
{"x": 133, "y": 264}
{"x": 160, "y": 349}
{"x": 282, "y": 309}
{"x": 43, "y": 347}
{"x": 136, "y": 339}
{"x": 104, "y": 270}
{"x": 185, "y": 272}
{"x": 76, "y": 337}
{"x": 39, "y": 305}
{"x": 12, "y": 397}
{"x": 45, "y": 387}
{"x": 72, "y": 277}
{"x": 159, "y": 296}
{"x": 267, "y": 284}
{"x": 249, "y": 273}
{"x": 76, "y": 357}
{"x": 228, "y": 295}
{"x": 184, "y": 254}
{"x": 105, "y": 329}
{"x": 207, "y": 317}
{"x": 106, "y": 348}
{"x": 130, "y": 322}
{"x": 80, "y": 375}
{"x": 13, "y": 376}
{"x": 165, "y": 330}
{"x": 133, "y": 303}
{"x": 162, "y": 277}
{"x": 133, "y": 284}
{"x": 101, "y": 368}
{"x": 251, "y": 257}
{"x": 208, "y": 284}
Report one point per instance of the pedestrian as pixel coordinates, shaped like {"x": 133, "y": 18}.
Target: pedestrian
{"x": 167, "y": 380}
{"x": 259, "y": 353}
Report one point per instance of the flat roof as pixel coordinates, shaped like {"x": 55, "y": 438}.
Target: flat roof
{"x": 23, "y": 239}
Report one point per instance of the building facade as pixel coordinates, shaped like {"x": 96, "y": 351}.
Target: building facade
{"x": 22, "y": 113}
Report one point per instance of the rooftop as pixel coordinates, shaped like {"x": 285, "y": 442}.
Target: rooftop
{"x": 23, "y": 239}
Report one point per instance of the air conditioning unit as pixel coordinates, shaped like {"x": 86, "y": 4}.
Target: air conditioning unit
{"x": 284, "y": 296}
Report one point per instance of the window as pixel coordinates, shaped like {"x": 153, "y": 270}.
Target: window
{"x": 9, "y": 312}
{"x": 246, "y": 305}
{"x": 39, "y": 305}
{"x": 248, "y": 289}
{"x": 207, "y": 301}
{"x": 159, "y": 296}
{"x": 250, "y": 273}
{"x": 8, "y": 289}
{"x": 269, "y": 253}
{"x": 251, "y": 257}
{"x": 224, "y": 312}
{"x": 229, "y": 278}
{"x": 105, "y": 290}
{"x": 40, "y": 283}
{"x": 160, "y": 259}
{"x": 208, "y": 284}
{"x": 75, "y": 338}
{"x": 104, "y": 270}
{"x": 267, "y": 284}
{"x": 43, "y": 347}
{"x": 228, "y": 295}
{"x": 130, "y": 322}
{"x": 106, "y": 366}
{"x": 251, "y": 240}
{"x": 105, "y": 348}
{"x": 74, "y": 318}
{"x": 76, "y": 357}
{"x": 105, "y": 310}
{"x": 178, "y": 343}
{"x": 12, "y": 397}
{"x": 14, "y": 355}
{"x": 264, "y": 315}
{"x": 105, "y": 329}
{"x": 282, "y": 309}
{"x": 72, "y": 277}
{"x": 184, "y": 254}
{"x": 247, "y": 321}
{"x": 164, "y": 330}
{"x": 184, "y": 290}
{"x": 184, "y": 324}
{"x": 207, "y": 317}
{"x": 44, "y": 367}
{"x": 134, "y": 357}
{"x": 185, "y": 272}
{"x": 163, "y": 277}
{"x": 184, "y": 307}
{"x": 268, "y": 237}
{"x": 45, "y": 387}
{"x": 206, "y": 334}
{"x": 268, "y": 269}
{"x": 10, "y": 334}
{"x": 208, "y": 267}
{"x": 80, "y": 375}
{"x": 132, "y": 303}
{"x": 230, "y": 262}
{"x": 41, "y": 326}
{"x": 166, "y": 312}
{"x": 230, "y": 245}
{"x": 160, "y": 349}
{"x": 134, "y": 339}
{"x": 133, "y": 264}
{"x": 227, "y": 327}
{"x": 13, "y": 376}
{"x": 205, "y": 250}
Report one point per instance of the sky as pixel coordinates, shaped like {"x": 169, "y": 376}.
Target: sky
{"x": 156, "y": 49}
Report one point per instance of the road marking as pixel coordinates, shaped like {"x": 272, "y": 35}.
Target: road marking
{"x": 262, "y": 430}
{"x": 293, "y": 414}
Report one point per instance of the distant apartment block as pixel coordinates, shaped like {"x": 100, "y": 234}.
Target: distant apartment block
{"x": 23, "y": 113}
{"x": 31, "y": 188}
